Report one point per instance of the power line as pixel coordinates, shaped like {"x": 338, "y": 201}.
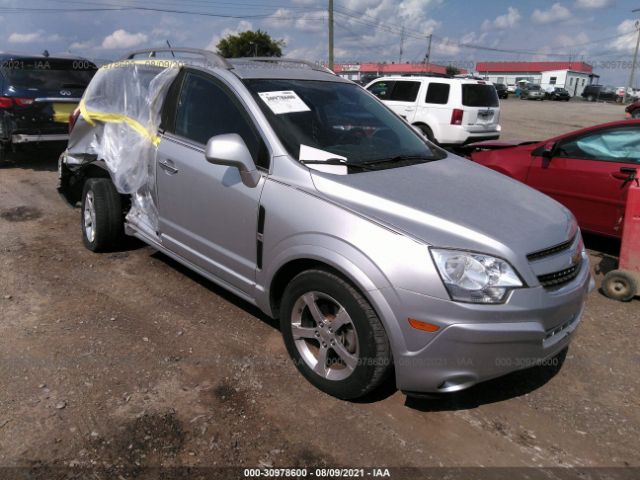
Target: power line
{"x": 132, "y": 8}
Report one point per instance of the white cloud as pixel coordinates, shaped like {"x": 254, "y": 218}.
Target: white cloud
{"x": 242, "y": 26}
{"x": 629, "y": 34}
{"x": 123, "y": 39}
{"x": 556, "y": 13}
{"x": 501, "y": 22}
{"x": 371, "y": 29}
{"x": 25, "y": 37}
{"x": 566, "y": 40}
{"x": 592, "y": 4}
{"x": 82, "y": 45}
{"x": 33, "y": 37}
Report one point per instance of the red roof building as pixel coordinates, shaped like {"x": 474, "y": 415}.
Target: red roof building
{"x": 572, "y": 76}
{"x": 364, "y": 71}
{"x": 532, "y": 67}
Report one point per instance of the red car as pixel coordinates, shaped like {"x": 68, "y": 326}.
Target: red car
{"x": 633, "y": 110}
{"x": 588, "y": 171}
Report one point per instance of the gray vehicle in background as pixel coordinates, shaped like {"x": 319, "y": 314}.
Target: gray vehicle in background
{"x": 532, "y": 91}
{"x": 379, "y": 252}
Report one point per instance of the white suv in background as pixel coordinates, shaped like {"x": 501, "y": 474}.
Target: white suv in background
{"x": 450, "y": 111}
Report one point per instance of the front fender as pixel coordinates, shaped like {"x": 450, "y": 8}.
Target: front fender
{"x": 350, "y": 262}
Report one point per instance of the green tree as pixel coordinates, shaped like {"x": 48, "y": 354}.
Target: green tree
{"x": 250, "y": 44}
{"x": 451, "y": 70}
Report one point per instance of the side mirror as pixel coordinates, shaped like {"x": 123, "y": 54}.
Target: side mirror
{"x": 230, "y": 150}
{"x": 548, "y": 151}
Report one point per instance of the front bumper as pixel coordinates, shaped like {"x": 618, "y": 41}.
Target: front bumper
{"x": 480, "y": 342}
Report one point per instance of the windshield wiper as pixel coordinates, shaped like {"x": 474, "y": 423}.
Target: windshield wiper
{"x": 338, "y": 161}
{"x": 408, "y": 159}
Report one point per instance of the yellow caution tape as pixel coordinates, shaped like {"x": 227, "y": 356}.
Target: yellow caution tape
{"x": 91, "y": 117}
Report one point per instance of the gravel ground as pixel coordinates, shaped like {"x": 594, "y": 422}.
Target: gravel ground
{"x": 128, "y": 360}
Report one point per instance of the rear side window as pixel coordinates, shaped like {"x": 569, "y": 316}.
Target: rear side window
{"x": 382, "y": 89}
{"x": 48, "y": 74}
{"x": 206, "y": 109}
{"x": 479, "y": 95}
{"x": 438, "y": 93}
{"x": 405, "y": 91}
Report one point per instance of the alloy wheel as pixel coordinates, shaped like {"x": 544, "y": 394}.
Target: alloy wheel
{"x": 89, "y": 217}
{"x": 325, "y": 335}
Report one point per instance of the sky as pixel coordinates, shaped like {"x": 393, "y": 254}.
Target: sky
{"x": 600, "y": 32}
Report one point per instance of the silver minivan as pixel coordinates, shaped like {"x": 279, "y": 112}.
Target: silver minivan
{"x": 303, "y": 194}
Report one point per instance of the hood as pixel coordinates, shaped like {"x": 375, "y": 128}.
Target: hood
{"x": 454, "y": 203}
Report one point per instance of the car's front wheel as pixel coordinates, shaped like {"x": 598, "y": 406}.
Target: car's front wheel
{"x": 101, "y": 219}
{"x": 333, "y": 335}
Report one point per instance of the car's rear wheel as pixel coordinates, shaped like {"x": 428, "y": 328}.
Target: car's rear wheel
{"x": 101, "y": 219}
{"x": 333, "y": 335}
{"x": 427, "y": 132}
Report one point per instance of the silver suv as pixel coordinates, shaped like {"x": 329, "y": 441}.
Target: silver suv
{"x": 303, "y": 194}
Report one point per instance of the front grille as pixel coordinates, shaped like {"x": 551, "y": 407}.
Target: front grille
{"x": 547, "y": 252}
{"x": 557, "y": 279}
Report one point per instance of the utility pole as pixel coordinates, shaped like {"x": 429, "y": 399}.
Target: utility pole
{"x": 401, "y": 45}
{"x": 427, "y": 58}
{"x": 635, "y": 58}
{"x": 330, "y": 34}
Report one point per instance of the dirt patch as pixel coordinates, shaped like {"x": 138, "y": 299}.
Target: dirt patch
{"x": 151, "y": 435}
{"x": 149, "y": 440}
{"x": 224, "y": 392}
{"x": 20, "y": 214}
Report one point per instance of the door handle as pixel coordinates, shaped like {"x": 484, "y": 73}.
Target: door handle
{"x": 627, "y": 175}
{"x": 167, "y": 166}
{"x": 619, "y": 176}
{"x": 409, "y": 109}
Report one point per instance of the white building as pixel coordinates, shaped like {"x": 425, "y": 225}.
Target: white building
{"x": 573, "y": 76}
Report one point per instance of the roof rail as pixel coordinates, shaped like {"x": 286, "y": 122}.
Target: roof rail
{"x": 208, "y": 55}
{"x": 311, "y": 65}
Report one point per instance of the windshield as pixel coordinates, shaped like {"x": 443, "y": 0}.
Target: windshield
{"x": 479, "y": 95}
{"x": 533, "y": 87}
{"x": 339, "y": 118}
{"x": 49, "y": 75}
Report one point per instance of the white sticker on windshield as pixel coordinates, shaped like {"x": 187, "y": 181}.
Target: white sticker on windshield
{"x": 285, "y": 101}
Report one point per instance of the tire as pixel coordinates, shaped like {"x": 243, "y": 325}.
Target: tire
{"x": 365, "y": 357}
{"x": 620, "y": 285}
{"x": 590, "y": 98}
{"x": 427, "y": 132}
{"x": 101, "y": 215}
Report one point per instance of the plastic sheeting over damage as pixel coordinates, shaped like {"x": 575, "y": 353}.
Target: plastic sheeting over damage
{"x": 121, "y": 111}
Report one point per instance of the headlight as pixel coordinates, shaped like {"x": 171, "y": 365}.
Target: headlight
{"x": 474, "y": 277}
